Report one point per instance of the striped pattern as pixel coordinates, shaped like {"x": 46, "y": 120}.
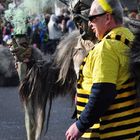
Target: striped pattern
{"x": 119, "y": 38}
{"x": 122, "y": 120}
{"x": 79, "y": 81}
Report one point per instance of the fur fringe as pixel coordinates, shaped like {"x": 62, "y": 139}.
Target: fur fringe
{"x": 134, "y": 26}
{"x": 47, "y": 80}
{"x": 135, "y": 60}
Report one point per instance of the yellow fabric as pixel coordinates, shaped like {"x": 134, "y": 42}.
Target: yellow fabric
{"x": 117, "y": 115}
{"x": 108, "y": 62}
{"x": 124, "y": 132}
{"x": 106, "y": 7}
{"x": 94, "y": 134}
{"x": 90, "y": 135}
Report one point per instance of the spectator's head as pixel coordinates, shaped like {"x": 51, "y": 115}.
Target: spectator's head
{"x": 132, "y": 15}
{"x": 47, "y": 18}
{"x": 54, "y": 18}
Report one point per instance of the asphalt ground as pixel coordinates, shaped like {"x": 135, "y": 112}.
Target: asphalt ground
{"x": 12, "y": 116}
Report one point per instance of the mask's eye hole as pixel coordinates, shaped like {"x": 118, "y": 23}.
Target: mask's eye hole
{"x": 78, "y": 21}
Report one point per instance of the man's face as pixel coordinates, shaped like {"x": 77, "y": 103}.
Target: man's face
{"x": 97, "y": 22}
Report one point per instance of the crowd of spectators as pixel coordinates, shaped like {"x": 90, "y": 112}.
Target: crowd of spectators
{"x": 44, "y": 31}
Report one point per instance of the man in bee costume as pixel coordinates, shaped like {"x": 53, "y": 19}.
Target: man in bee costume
{"x": 107, "y": 102}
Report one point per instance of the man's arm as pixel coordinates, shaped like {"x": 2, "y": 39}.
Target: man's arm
{"x": 103, "y": 94}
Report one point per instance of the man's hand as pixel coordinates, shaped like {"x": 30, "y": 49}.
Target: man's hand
{"x": 73, "y": 133}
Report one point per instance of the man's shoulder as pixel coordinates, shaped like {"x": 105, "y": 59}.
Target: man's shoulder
{"x": 121, "y": 32}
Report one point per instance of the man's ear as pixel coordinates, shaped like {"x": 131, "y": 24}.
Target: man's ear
{"x": 108, "y": 18}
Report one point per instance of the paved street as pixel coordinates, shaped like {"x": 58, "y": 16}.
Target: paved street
{"x": 12, "y": 117}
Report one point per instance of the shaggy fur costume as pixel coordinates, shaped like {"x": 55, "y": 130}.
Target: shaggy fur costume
{"x": 135, "y": 54}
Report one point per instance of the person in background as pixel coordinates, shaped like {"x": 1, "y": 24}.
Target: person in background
{"x": 44, "y": 33}
{"x": 35, "y": 38}
{"x": 29, "y": 27}
{"x": 132, "y": 15}
{"x": 47, "y": 19}
{"x": 106, "y": 96}
{"x": 70, "y": 25}
{"x": 55, "y": 34}
{"x": 7, "y": 31}
{"x": 1, "y": 33}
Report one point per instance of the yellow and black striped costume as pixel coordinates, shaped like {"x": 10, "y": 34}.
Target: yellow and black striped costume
{"x": 108, "y": 62}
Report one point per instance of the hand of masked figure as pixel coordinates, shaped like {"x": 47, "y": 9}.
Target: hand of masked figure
{"x": 73, "y": 133}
